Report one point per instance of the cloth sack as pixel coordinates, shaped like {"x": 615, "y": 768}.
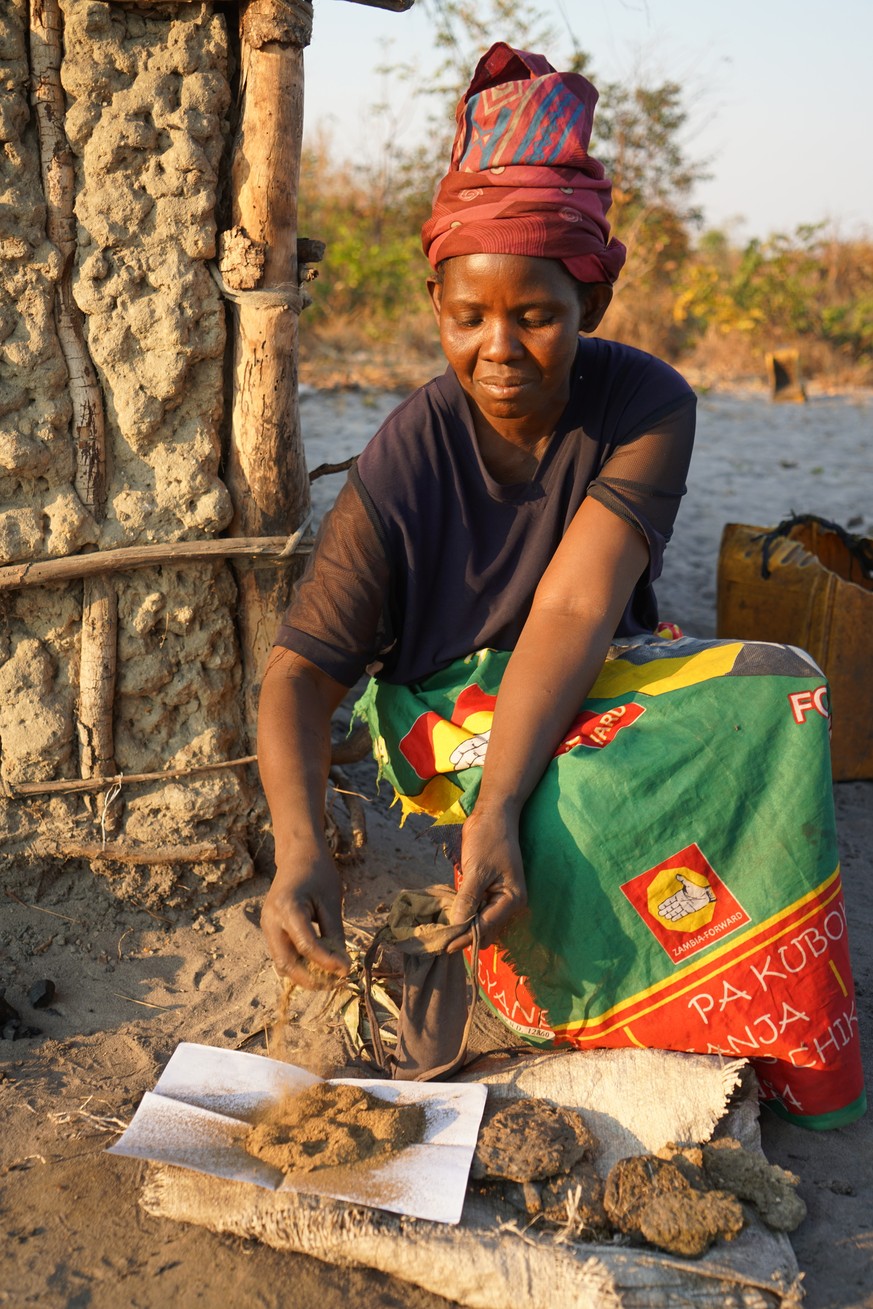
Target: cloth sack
{"x": 681, "y": 860}
{"x": 436, "y": 1012}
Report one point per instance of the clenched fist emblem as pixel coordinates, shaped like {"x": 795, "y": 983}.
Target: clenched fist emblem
{"x": 470, "y": 753}
{"x": 687, "y": 901}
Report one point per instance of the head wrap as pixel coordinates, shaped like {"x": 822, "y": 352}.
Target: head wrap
{"x": 521, "y": 180}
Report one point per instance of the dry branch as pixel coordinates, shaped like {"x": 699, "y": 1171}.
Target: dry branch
{"x": 38, "y": 908}
{"x": 353, "y": 807}
{"x": 99, "y": 621}
{"x": 42, "y": 572}
{"x": 342, "y": 752}
{"x": 199, "y": 852}
{"x": 82, "y": 785}
{"x": 58, "y": 178}
{"x": 323, "y": 470}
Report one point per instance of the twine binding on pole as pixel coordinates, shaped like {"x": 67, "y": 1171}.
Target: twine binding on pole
{"x": 286, "y": 296}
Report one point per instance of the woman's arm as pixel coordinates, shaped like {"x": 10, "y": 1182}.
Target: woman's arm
{"x": 296, "y": 706}
{"x": 332, "y": 630}
{"x": 576, "y": 609}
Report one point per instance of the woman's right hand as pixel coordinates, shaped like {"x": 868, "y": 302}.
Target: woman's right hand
{"x": 301, "y": 896}
{"x": 297, "y": 701}
{"x": 492, "y": 884}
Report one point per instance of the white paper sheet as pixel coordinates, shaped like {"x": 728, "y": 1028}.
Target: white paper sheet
{"x": 200, "y": 1111}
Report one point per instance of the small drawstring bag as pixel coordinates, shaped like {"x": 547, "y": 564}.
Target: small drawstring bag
{"x": 438, "y": 1002}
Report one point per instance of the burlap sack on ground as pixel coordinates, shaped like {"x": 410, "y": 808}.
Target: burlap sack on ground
{"x": 634, "y": 1100}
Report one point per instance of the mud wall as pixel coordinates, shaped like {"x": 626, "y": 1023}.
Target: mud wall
{"x": 147, "y": 103}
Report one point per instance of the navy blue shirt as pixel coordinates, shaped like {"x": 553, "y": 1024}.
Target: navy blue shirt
{"x": 426, "y": 558}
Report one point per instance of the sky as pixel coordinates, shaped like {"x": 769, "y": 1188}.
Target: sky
{"x": 778, "y": 93}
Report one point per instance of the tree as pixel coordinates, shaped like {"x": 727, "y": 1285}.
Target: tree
{"x": 371, "y": 221}
{"x": 463, "y": 31}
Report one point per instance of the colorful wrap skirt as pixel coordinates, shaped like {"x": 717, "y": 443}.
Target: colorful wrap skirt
{"x": 680, "y": 856}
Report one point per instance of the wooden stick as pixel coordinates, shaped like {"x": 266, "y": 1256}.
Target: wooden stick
{"x": 200, "y": 852}
{"x": 342, "y": 752}
{"x": 353, "y": 807}
{"x": 324, "y": 469}
{"x": 146, "y": 1004}
{"x": 58, "y": 178}
{"x": 82, "y": 785}
{"x": 67, "y": 568}
{"x": 99, "y": 607}
{"x": 39, "y": 909}
{"x": 266, "y": 471}
{"x": 97, "y": 677}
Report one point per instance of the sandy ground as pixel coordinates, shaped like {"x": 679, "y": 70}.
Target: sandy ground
{"x": 131, "y": 983}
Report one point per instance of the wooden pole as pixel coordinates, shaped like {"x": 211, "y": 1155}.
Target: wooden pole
{"x": 58, "y": 179}
{"x": 268, "y": 551}
{"x": 349, "y": 750}
{"x": 97, "y": 662}
{"x": 266, "y": 470}
{"x": 201, "y": 852}
{"x": 99, "y": 606}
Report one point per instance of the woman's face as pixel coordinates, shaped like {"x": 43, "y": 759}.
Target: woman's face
{"x": 509, "y": 326}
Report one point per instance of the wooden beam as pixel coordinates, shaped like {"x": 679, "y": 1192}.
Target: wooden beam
{"x": 98, "y": 642}
{"x": 84, "y": 785}
{"x": 272, "y": 550}
{"x": 349, "y": 750}
{"x": 266, "y": 469}
{"x": 58, "y": 179}
{"x": 199, "y": 852}
{"x": 97, "y": 663}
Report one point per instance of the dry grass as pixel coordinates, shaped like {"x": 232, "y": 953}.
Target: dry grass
{"x": 370, "y": 352}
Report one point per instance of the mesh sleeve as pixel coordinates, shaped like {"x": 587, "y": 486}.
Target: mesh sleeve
{"x": 338, "y": 617}
{"x": 643, "y": 478}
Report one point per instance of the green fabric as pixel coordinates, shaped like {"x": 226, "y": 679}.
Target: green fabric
{"x": 680, "y": 857}
{"x": 710, "y": 757}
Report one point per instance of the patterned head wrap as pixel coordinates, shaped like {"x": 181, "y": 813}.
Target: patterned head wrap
{"x": 521, "y": 180}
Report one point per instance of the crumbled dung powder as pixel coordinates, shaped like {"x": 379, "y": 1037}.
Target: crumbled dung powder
{"x": 328, "y": 1126}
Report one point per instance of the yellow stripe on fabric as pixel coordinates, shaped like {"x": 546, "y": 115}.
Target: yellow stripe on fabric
{"x": 702, "y": 977}
{"x": 619, "y": 677}
{"x": 435, "y": 799}
{"x": 840, "y": 982}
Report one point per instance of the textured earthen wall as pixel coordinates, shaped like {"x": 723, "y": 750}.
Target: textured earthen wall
{"x": 147, "y": 106}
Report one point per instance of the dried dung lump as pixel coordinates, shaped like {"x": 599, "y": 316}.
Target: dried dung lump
{"x": 650, "y": 1199}
{"x": 771, "y": 1189}
{"x": 528, "y": 1140}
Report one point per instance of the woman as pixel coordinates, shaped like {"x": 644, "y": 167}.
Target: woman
{"x": 519, "y": 505}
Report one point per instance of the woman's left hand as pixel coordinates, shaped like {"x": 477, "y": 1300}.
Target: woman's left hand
{"x": 492, "y": 876}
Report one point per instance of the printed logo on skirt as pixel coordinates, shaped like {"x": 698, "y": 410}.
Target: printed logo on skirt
{"x": 597, "y": 729}
{"x": 685, "y": 904}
